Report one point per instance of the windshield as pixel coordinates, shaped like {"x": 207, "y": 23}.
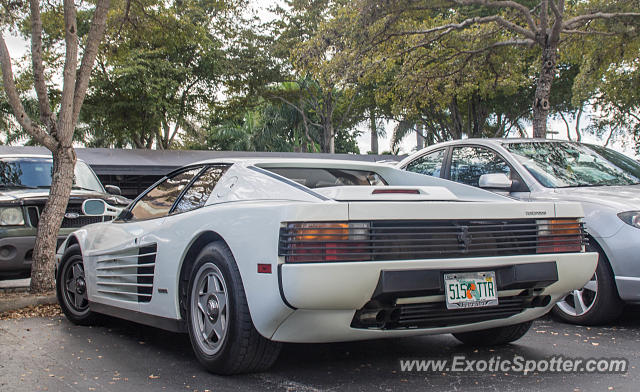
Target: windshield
{"x": 36, "y": 173}
{"x": 562, "y": 165}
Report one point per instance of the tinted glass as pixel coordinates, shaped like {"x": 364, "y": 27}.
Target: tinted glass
{"x": 469, "y": 163}
{"x": 158, "y": 201}
{"x": 325, "y": 177}
{"x": 198, "y": 193}
{"x": 430, "y": 164}
{"x": 36, "y": 173}
{"x": 566, "y": 164}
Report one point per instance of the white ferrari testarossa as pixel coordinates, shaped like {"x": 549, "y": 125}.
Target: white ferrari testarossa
{"x": 246, "y": 254}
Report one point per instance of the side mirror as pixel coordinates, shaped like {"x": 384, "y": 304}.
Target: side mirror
{"x": 113, "y": 190}
{"x": 98, "y": 207}
{"x": 497, "y": 181}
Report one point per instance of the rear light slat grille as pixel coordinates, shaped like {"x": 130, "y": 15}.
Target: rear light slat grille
{"x": 388, "y": 240}
{"x": 503, "y": 244}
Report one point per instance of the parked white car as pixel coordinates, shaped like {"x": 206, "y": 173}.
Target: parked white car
{"x": 605, "y": 182}
{"x": 246, "y": 254}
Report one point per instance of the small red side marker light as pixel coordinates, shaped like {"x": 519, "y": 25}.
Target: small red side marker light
{"x": 264, "y": 268}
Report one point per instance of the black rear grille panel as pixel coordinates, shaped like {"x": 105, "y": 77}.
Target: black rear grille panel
{"x": 406, "y": 239}
{"x": 436, "y": 314}
{"x": 485, "y": 239}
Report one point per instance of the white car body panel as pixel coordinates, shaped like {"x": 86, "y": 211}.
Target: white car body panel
{"x": 246, "y": 209}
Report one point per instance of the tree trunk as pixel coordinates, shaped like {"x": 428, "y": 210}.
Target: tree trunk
{"x": 456, "y": 119}
{"x": 543, "y": 91}
{"x": 374, "y": 133}
{"x": 419, "y": 137}
{"x": 327, "y": 124}
{"x": 566, "y": 124}
{"x": 609, "y": 138}
{"x": 57, "y": 136}
{"x": 329, "y": 137}
{"x": 44, "y": 250}
{"x": 578, "y": 132}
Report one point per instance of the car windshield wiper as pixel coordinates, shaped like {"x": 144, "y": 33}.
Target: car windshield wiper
{"x": 593, "y": 185}
{"x": 83, "y": 188}
{"x": 13, "y": 185}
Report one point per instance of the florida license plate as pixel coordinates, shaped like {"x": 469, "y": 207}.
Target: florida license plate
{"x": 470, "y": 290}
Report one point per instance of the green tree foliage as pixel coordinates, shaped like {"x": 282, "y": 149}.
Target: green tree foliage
{"x": 425, "y": 87}
{"x": 608, "y": 81}
{"x": 272, "y": 125}
{"x": 208, "y": 74}
{"x": 458, "y": 62}
{"x": 336, "y": 105}
{"x": 163, "y": 66}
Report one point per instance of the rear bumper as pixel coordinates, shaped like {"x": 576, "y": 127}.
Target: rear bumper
{"x": 350, "y": 285}
{"x": 327, "y": 296}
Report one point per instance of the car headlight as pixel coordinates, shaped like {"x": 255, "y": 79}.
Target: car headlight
{"x": 631, "y": 218}
{"x": 11, "y": 216}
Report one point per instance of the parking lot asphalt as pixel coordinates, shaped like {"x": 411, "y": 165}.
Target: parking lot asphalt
{"x": 52, "y": 354}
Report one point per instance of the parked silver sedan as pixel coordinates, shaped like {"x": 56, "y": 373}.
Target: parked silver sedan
{"x": 606, "y": 182}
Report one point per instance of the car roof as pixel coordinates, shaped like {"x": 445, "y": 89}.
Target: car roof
{"x": 505, "y": 140}
{"x": 491, "y": 142}
{"x": 25, "y": 156}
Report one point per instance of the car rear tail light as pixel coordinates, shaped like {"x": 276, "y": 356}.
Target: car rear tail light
{"x": 318, "y": 242}
{"x": 560, "y": 236}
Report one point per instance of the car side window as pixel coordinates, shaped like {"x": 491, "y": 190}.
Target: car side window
{"x": 429, "y": 164}
{"x": 469, "y": 163}
{"x": 157, "y": 202}
{"x": 198, "y": 193}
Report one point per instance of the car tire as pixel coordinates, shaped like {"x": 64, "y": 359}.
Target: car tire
{"x": 71, "y": 288}
{"x": 222, "y": 334}
{"x": 600, "y": 306}
{"x": 494, "y": 336}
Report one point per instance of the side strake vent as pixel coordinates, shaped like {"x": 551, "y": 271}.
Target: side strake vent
{"x": 127, "y": 276}
{"x": 146, "y": 268}
{"x": 311, "y": 242}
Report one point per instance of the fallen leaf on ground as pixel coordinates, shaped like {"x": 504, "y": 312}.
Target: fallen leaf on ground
{"x": 32, "y": 311}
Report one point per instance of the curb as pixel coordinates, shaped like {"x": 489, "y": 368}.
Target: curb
{"x": 15, "y": 285}
{"x": 28, "y": 300}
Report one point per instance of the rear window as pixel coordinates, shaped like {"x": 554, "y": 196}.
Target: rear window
{"x": 326, "y": 177}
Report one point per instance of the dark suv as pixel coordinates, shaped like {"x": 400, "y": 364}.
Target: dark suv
{"x": 24, "y": 189}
